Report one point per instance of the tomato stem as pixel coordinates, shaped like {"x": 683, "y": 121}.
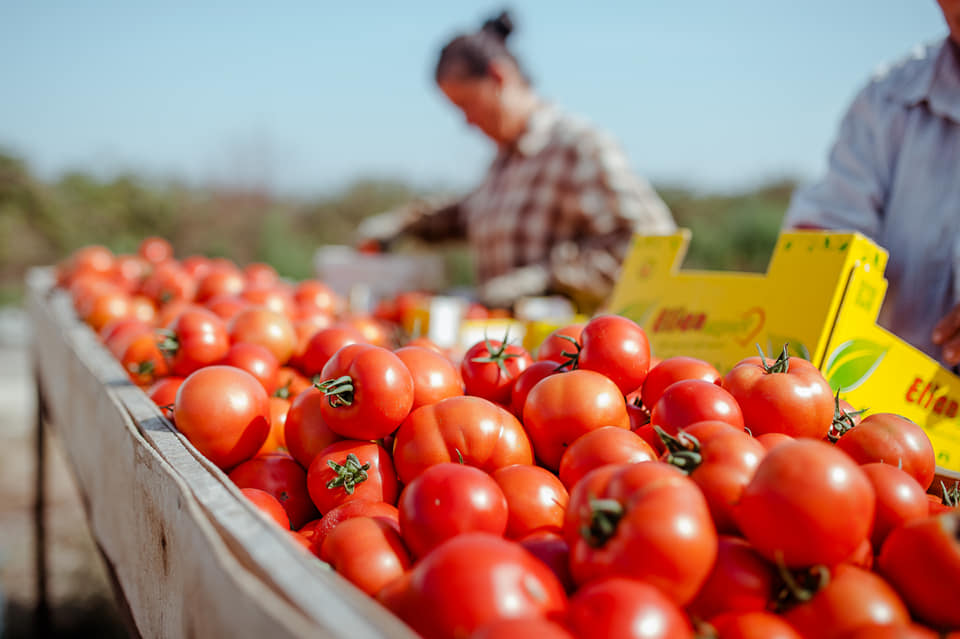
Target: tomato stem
{"x": 497, "y": 355}
{"x": 794, "y": 592}
{"x": 339, "y": 391}
{"x": 349, "y": 474}
{"x": 950, "y": 496}
{"x": 167, "y": 342}
{"x": 843, "y": 420}
{"x": 572, "y": 359}
{"x": 780, "y": 365}
{"x": 683, "y": 450}
{"x": 605, "y": 514}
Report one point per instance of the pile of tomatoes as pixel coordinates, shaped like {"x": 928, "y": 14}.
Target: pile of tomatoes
{"x": 590, "y": 491}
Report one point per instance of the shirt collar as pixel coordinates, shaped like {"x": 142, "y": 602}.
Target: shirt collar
{"x": 539, "y": 129}
{"x": 931, "y": 76}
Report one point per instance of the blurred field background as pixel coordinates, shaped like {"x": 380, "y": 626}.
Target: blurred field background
{"x": 43, "y": 221}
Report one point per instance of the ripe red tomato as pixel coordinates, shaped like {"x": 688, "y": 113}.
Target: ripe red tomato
{"x": 270, "y": 329}
{"x": 324, "y": 344}
{"x": 769, "y": 440}
{"x": 529, "y": 378}
{"x": 366, "y": 551}
{"x": 480, "y": 432}
{"x": 854, "y": 597}
{"x": 552, "y": 549}
{"x": 281, "y": 476}
{"x": 821, "y": 523}
{"x": 892, "y": 439}
{"x": 268, "y": 505}
{"x": 276, "y": 441}
{"x": 258, "y": 274}
{"x": 741, "y": 581}
{"x": 694, "y": 400}
{"x": 490, "y": 368}
{"x": 606, "y": 445}
{"x": 163, "y": 392}
{"x": 169, "y": 282}
{"x": 351, "y": 469}
{"x": 555, "y": 345}
{"x": 447, "y": 500}
{"x": 617, "y": 347}
{"x": 786, "y": 395}
{"x": 290, "y": 383}
{"x": 224, "y": 412}
{"x": 317, "y": 530}
{"x": 721, "y": 460}
{"x": 472, "y": 580}
{"x": 196, "y": 338}
{"x": 626, "y": 609}
{"x": 369, "y": 393}
{"x": 305, "y": 431}
{"x": 256, "y": 360}
{"x": 674, "y": 369}
{"x": 221, "y": 281}
{"x": 563, "y": 407}
{"x": 434, "y": 376}
{"x": 899, "y": 499}
{"x": 644, "y": 521}
{"x": 921, "y": 559}
{"x": 109, "y": 305}
{"x": 525, "y": 628}
{"x": 276, "y": 298}
{"x": 317, "y": 295}
{"x": 752, "y": 625}
{"x": 155, "y": 249}
{"x": 898, "y": 631}
{"x": 536, "y": 500}
{"x": 143, "y": 360}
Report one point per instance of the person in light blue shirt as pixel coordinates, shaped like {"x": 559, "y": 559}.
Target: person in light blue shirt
{"x": 894, "y": 175}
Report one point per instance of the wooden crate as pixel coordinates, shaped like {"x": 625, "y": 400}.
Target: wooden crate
{"x": 192, "y": 557}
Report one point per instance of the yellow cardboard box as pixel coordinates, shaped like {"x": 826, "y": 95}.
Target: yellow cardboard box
{"x": 821, "y": 295}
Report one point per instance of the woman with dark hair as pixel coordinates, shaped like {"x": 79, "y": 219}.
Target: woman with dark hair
{"x": 559, "y": 203}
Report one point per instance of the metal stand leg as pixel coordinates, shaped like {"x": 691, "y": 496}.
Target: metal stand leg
{"x": 41, "y": 620}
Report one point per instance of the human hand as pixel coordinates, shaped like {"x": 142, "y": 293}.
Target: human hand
{"x": 947, "y": 334}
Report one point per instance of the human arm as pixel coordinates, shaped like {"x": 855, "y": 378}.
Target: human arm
{"x": 432, "y": 219}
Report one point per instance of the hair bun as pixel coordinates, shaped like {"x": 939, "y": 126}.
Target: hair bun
{"x": 500, "y": 27}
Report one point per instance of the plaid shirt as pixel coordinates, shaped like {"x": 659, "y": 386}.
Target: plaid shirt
{"x": 555, "y": 213}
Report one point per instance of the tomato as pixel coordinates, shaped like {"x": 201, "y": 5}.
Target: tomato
{"x": 155, "y": 249}
{"x": 788, "y": 395}
{"x": 434, "y": 376}
{"x": 143, "y": 308}
{"x": 752, "y": 625}
{"x": 741, "y": 581}
{"x": 853, "y": 597}
{"x": 107, "y": 306}
{"x": 490, "y": 368}
{"x": 921, "y": 559}
{"x": 809, "y": 502}
{"x": 117, "y": 334}
{"x": 317, "y": 295}
{"x": 290, "y": 383}
{"x": 324, "y": 344}
{"x": 525, "y": 628}
{"x": 536, "y": 500}
{"x": 143, "y": 360}
{"x": 694, "y": 400}
{"x": 351, "y": 469}
{"x": 447, "y": 500}
{"x": 260, "y": 274}
{"x": 674, "y": 369}
{"x": 87, "y": 260}
{"x": 306, "y": 326}
{"x": 268, "y": 505}
{"x": 220, "y": 282}
{"x": 270, "y": 329}
{"x": 196, "y": 265}
{"x": 644, "y": 521}
{"x": 605, "y": 445}
{"x": 373, "y": 330}
{"x": 276, "y": 441}
{"x": 320, "y": 528}
{"x": 226, "y": 307}
{"x": 472, "y": 580}
{"x": 721, "y": 460}
{"x": 128, "y": 271}
{"x": 163, "y": 392}
{"x": 196, "y": 338}
{"x": 899, "y": 499}
{"x": 769, "y": 440}
{"x": 617, "y": 347}
{"x": 256, "y": 360}
{"x": 305, "y": 431}
{"x": 368, "y": 394}
{"x": 556, "y": 348}
{"x": 281, "y": 476}
{"x": 480, "y": 432}
{"x": 626, "y": 609}
{"x": 899, "y": 631}
{"x": 529, "y": 378}
{"x": 889, "y": 438}
{"x": 552, "y": 549}
{"x": 565, "y": 406}
{"x": 224, "y": 412}
{"x": 367, "y": 551}
{"x": 169, "y": 282}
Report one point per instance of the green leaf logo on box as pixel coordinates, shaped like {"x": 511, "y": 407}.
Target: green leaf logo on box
{"x": 852, "y": 362}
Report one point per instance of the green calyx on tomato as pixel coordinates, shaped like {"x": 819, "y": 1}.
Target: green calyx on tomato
{"x": 349, "y": 474}
{"x": 339, "y": 391}
{"x": 799, "y": 586}
{"x": 497, "y": 356}
{"x": 167, "y": 342}
{"x": 843, "y": 420}
{"x": 951, "y": 497}
{"x": 781, "y": 365}
{"x": 571, "y": 359}
{"x": 683, "y": 451}
{"x": 605, "y": 514}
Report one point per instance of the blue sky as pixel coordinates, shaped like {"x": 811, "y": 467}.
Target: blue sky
{"x": 305, "y": 96}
